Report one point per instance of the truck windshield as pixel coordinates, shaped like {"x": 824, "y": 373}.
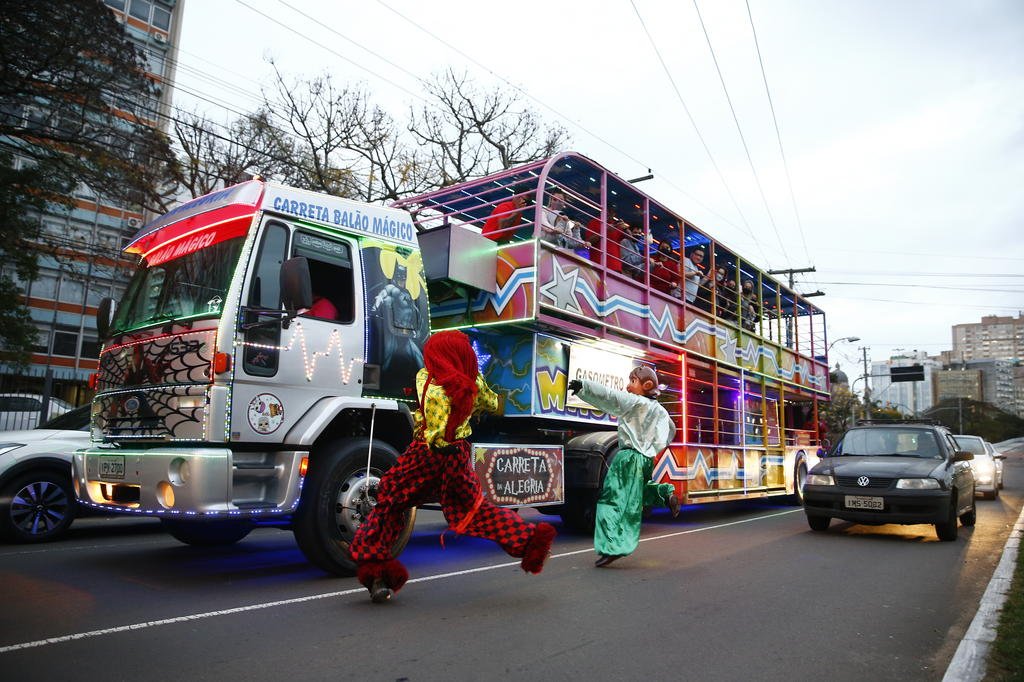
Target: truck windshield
{"x": 193, "y": 285}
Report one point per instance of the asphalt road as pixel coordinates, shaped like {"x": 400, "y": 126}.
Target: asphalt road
{"x": 725, "y": 592}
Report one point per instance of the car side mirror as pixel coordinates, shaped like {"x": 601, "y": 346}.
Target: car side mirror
{"x": 962, "y": 456}
{"x": 999, "y": 455}
{"x": 296, "y": 284}
{"x": 822, "y": 452}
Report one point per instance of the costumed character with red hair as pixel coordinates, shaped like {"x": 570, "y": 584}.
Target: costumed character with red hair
{"x": 437, "y": 466}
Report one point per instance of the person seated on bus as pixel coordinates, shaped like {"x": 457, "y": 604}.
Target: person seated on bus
{"x": 558, "y": 229}
{"x": 617, "y": 230}
{"x": 726, "y": 296}
{"x": 631, "y": 245}
{"x": 695, "y": 277}
{"x": 664, "y": 267}
{"x": 748, "y": 306}
{"x": 505, "y": 218}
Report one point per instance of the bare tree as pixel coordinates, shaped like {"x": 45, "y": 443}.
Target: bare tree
{"x": 469, "y": 133}
{"x": 215, "y": 156}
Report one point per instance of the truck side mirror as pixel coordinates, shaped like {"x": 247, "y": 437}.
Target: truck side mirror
{"x": 105, "y": 315}
{"x": 296, "y": 285}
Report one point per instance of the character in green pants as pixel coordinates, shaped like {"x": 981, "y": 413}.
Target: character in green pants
{"x": 645, "y": 429}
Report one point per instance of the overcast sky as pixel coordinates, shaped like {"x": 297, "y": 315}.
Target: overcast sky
{"x": 902, "y": 124}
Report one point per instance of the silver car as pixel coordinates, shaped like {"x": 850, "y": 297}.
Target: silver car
{"x": 999, "y": 458}
{"x": 37, "y": 501}
{"x": 986, "y": 471}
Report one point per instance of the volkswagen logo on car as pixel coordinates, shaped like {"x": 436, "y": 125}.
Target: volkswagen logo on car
{"x": 863, "y": 481}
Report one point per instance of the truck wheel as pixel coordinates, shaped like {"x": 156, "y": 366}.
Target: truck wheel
{"x": 579, "y": 511}
{"x": 37, "y": 507}
{"x": 799, "y": 479}
{"x": 206, "y": 533}
{"x": 336, "y": 497}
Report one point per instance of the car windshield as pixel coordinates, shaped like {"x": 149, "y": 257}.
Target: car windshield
{"x": 973, "y": 444}
{"x": 75, "y": 420}
{"x": 193, "y": 285}
{"x": 889, "y": 442}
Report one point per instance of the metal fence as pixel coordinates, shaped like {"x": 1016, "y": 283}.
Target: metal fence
{"x": 31, "y": 399}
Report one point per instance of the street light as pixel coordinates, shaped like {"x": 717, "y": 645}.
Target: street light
{"x": 851, "y": 339}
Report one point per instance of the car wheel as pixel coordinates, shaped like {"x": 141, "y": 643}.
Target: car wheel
{"x": 41, "y": 507}
{"x": 968, "y": 518}
{"x": 818, "y": 523}
{"x": 947, "y": 530}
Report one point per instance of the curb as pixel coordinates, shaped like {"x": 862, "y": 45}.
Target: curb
{"x": 969, "y": 661}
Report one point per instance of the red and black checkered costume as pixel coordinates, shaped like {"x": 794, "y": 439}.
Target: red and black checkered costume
{"x": 437, "y": 467}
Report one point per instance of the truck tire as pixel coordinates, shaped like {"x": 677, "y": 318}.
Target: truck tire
{"x": 799, "y": 477}
{"x": 332, "y": 506}
{"x": 579, "y": 511}
{"x": 207, "y": 533}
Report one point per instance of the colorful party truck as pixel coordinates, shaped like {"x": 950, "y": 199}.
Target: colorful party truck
{"x": 259, "y": 369}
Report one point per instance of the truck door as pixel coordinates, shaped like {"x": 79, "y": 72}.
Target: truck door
{"x": 284, "y": 371}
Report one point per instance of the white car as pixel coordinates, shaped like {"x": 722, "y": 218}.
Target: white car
{"x": 999, "y": 458}
{"x": 37, "y": 501}
{"x": 984, "y": 465}
{"x": 19, "y": 411}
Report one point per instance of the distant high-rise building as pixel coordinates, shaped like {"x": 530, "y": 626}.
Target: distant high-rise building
{"x": 994, "y": 338}
{"x": 64, "y": 296}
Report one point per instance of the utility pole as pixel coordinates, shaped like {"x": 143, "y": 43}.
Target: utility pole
{"x": 867, "y": 390}
{"x": 792, "y": 317}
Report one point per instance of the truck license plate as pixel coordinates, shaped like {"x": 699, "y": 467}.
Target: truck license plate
{"x": 862, "y": 502}
{"x": 111, "y": 466}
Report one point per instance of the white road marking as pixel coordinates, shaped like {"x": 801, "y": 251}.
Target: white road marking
{"x": 342, "y": 593}
{"x": 969, "y": 662}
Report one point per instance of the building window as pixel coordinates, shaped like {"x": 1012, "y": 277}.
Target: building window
{"x": 90, "y": 347}
{"x": 161, "y": 18}
{"x": 65, "y": 343}
{"x": 140, "y": 10}
{"x": 44, "y": 286}
{"x": 116, "y": 4}
{"x": 42, "y": 343}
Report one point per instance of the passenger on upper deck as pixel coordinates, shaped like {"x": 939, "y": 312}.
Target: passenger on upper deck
{"x": 556, "y": 227}
{"x": 632, "y": 245}
{"x": 748, "y": 309}
{"x": 505, "y": 217}
{"x": 664, "y": 268}
{"x": 726, "y": 297}
{"x": 694, "y": 274}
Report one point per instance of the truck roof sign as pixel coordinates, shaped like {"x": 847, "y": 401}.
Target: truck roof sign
{"x": 388, "y": 224}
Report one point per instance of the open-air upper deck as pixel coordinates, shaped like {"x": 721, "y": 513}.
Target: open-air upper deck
{"x": 581, "y": 250}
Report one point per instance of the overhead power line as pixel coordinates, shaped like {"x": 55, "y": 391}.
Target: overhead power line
{"x": 739, "y": 130}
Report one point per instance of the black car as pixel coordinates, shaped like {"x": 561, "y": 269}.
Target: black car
{"x": 893, "y": 472}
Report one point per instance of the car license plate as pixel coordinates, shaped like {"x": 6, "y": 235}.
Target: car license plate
{"x": 111, "y": 466}
{"x": 862, "y": 502}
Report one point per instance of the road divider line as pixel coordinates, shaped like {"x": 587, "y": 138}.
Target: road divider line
{"x": 330, "y": 595}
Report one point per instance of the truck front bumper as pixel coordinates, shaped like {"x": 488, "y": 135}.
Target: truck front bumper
{"x": 206, "y": 481}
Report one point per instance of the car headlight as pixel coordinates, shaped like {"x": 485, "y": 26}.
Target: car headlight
{"x": 917, "y": 484}
{"x": 7, "y": 447}
{"x": 983, "y": 468}
{"x": 819, "y": 479}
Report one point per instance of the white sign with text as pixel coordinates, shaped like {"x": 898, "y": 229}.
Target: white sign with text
{"x": 600, "y": 366}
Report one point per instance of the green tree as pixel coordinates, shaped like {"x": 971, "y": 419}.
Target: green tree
{"x": 840, "y": 412}
{"x": 76, "y": 108}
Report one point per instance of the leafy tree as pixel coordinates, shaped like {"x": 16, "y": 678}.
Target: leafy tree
{"x": 838, "y": 414}
{"x": 75, "y": 108}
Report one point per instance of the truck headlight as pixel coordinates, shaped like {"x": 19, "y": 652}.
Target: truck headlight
{"x": 819, "y": 479}
{"x": 917, "y": 484}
